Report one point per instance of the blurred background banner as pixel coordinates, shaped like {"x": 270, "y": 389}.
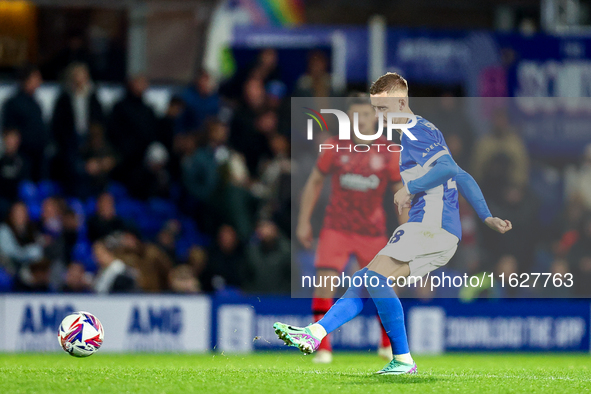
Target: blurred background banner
{"x": 482, "y": 63}
{"x": 238, "y": 324}
{"x": 135, "y": 324}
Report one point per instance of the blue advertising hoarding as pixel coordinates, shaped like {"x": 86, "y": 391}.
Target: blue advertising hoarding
{"x": 234, "y": 324}
{"x": 434, "y": 326}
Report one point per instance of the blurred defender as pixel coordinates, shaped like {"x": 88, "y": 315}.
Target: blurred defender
{"x": 355, "y": 221}
{"x": 426, "y": 242}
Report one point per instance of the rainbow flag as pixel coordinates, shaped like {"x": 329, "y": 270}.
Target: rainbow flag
{"x": 275, "y": 12}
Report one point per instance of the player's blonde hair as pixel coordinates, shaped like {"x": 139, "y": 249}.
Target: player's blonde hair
{"x": 389, "y": 82}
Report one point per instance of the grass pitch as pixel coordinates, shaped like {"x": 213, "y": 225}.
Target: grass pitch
{"x": 290, "y": 372}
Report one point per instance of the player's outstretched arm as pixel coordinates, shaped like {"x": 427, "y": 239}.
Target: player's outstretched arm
{"x": 309, "y": 198}
{"x": 468, "y": 188}
{"x": 443, "y": 169}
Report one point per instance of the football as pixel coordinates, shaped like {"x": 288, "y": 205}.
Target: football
{"x": 80, "y": 334}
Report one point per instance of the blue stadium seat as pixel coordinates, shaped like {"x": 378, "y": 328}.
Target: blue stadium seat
{"x": 117, "y": 190}
{"x": 34, "y": 208}
{"x": 149, "y": 225}
{"x": 27, "y": 191}
{"x": 82, "y": 253}
{"x": 188, "y": 227}
{"x": 5, "y": 281}
{"x": 77, "y": 206}
{"x": 132, "y": 209}
{"x": 183, "y": 245}
{"x": 164, "y": 209}
{"x": 90, "y": 206}
{"x": 48, "y": 188}
{"x": 189, "y": 237}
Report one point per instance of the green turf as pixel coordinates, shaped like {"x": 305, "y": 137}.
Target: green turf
{"x": 289, "y": 372}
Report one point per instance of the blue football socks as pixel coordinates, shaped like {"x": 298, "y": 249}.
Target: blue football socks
{"x": 386, "y": 301}
{"x": 348, "y": 306}
{"x": 390, "y": 311}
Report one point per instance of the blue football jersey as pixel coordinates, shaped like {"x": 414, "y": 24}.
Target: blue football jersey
{"x": 437, "y": 206}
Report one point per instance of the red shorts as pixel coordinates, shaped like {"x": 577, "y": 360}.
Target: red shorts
{"x": 335, "y": 247}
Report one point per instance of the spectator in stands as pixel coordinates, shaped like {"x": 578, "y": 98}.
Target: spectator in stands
{"x": 579, "y": 260}
{"x": 201, "y": 102}
{"x": 34, "y": 279}
{"x": 52, "y": 210}
{"x": 71, "y": 228}
{"x": 76, "y": 280}
{"x": 518, "y": 203}
{"x": 502, "y": 141}
{"x": 274, "y": 186}
{"x": 99, "y": 161}
{"x": 20, "y": 242}
{"x": 317, "y": 81}
{"x": 132, "y": 128}
{"x": 578, "y": 180}
{"x": 265, "y": 69}
{"x": 166, "y": 133}
{"x": 23, "y": 113}
{"x": 246, "y": 134}
{"x": 216, "y": 177}
{"x": 197, "y": 260}
{"x": 13, "y": 170}
{"x": 565, "y": 230}
{"x": 268, "y": 261}
{"x": 182, "y": 281}
{"x": 166, "y": 238}
{"x": 151, "y": 263}
{"x": 152, "y": 179}
{"x": 225, "y": 261}
{"x": 113, "y": 276}
{"x": 508, "y": 265}
{"x": 105, "y": 220}
{"x": 558, "y": 267}
{"x": 75, "y": 51}
{"x": 76, "y": 111}
{"x": 276, "y": 91}
{"x": 450, "y": 117}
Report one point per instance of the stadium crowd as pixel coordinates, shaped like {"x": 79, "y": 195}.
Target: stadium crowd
{"x": 199, "y": 200}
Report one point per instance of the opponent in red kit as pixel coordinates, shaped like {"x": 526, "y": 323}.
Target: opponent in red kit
{"x": 355, "y": 221}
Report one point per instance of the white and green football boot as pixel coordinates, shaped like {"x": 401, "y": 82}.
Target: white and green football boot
{"x": 398, "y": 368}
{"x": 300, "y": 337}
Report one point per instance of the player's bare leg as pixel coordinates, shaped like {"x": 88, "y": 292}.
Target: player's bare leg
{"x": 389, "y": 267}
{"x": 321, "y": 303}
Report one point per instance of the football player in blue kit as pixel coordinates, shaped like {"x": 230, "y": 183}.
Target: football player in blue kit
{"x": 426, "y": 242}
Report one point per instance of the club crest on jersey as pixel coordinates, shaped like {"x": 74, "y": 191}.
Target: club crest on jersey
{"x": 358, "y": 182}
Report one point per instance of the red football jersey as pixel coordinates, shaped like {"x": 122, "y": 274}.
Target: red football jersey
{"x": 359, "y": 180}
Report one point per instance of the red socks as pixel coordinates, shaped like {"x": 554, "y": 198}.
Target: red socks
{"x": 385, "y": 340}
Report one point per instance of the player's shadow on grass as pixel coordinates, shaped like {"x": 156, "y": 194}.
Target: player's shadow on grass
{"x": 405, "y": 379}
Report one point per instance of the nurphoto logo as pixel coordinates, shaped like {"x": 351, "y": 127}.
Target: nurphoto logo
{"x": 394, "y": 121}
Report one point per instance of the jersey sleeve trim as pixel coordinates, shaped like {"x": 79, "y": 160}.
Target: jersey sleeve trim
{"x": 436, "y": 156}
